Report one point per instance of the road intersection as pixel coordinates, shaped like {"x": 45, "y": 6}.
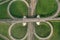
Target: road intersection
{"x": 31, "y": 29}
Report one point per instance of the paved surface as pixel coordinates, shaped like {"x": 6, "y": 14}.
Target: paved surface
{"x": 30, "y": 31}
{"x": 28, "y": 20}
{"x": 30, "y": 25}
{"x": 32, "y": 6}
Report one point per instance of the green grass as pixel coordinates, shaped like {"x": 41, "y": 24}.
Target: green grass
{"x": 43, "y": 30}
{"x": 19, "y": 31}
{"x": 56, "y": 33}
{"x": 4, "y": 29}
{"x": 46, "y": 8}
{"x": 1, "y": 1}
{"x": 59, "y": 0}
{"x": 1, "y": 38}
{"x": 19, "y": 9}
{"x": 3, "y": 11}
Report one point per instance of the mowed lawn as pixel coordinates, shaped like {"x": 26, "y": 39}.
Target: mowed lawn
{"x": 4, "y": 29}
{"x": 19, "y": 31}
{"x": 46, "y": 8}
{"x": 42, "y": 30}
{"x": 1, "y": 38}
{"x": 2, "y": 1}
{"x": 56, "y": 33}
{"x": 19, "y": 9}
{"x": 59, "y": 0}
{"x": 3, "y": 11}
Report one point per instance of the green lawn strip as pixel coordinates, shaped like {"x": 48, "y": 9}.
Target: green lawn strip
{"x": 19, "y": 31}
{"x": 19, "y": 9}
{"x": 46, "y": 8}
{"x": 3, "y": 11}
{"x": 43, "y": 30}
{"x": 4, "y": 29}
{"x": 56, "y": 33}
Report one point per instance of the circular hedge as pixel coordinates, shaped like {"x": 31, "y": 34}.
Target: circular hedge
{"x": 19, "y": 31}
{"x": 42, "y": 30}
{"x": 18, "y": 9}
